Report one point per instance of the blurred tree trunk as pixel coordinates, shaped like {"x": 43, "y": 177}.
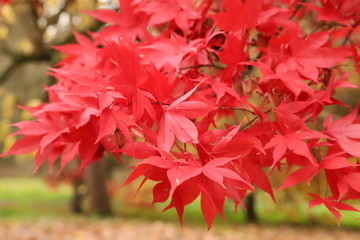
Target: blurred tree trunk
{"x": 251, "y": 215}
{"x": 78, "y": 196}
{"x": 95, "y": 178}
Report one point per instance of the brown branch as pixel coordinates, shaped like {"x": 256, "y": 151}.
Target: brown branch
{"x": 203, "y": 65}
{"x": 249, "y": 123}
{"x": 17, "y": 63}
{"x": 6, "y": 74}
{"x": 347, "y": 37}
{"x": 252, "y": 121}
{"x": 19, "y": 59}
{"x": 249, "y": 68}
{"x": 221, "y": 108}
{"x": 236, "y": 109}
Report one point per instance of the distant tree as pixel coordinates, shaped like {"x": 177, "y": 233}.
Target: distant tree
{"x": 29, "y": 30}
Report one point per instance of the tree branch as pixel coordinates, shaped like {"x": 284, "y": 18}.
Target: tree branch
{"x": 347, "y": 37}
{"x": 203, "y": 65}
{"x": 252, "y": 121}
{"x": 221, "y": 108}
{"x": 19, "y": 59}
{"x": 6, "y": 74}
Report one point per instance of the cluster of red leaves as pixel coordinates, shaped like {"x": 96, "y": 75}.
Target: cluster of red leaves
{"x": 159, "y": 80}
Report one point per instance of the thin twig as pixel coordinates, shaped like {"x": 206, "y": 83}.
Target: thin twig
{"x": 347, "y": 37}
{"x": 249, "y": 123}
{"x": 221, "y": 107}
{"x": 236, "y": 109}
{"x": 203, "y": 65}
{"x": 252, "y": 121}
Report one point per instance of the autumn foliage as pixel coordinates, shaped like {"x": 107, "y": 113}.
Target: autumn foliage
{"x": 5, "y": 2}
{"x": 211, "y": 97}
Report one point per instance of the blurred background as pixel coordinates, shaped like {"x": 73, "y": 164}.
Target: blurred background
{"x": 73, "y": 205}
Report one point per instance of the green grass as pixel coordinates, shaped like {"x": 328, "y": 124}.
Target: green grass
{"x": 31, "y": 198}
{"x": 27, "y": 199}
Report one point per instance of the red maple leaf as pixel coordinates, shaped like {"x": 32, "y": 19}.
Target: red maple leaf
{"x": 170, "y": 51}
{"x": 337, "y": 11}
{"x": 293, "y": 141}
{"x": 176, "y": 121}
{"x": 231, "y": 20}
{"x": 331, "y": 204}
{"x": 129, "y": 23}
{"x": 345, "y": 132}
{"x": 181, "y": 11}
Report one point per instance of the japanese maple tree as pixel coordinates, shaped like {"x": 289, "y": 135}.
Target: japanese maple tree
{"x": 211, "y": 97}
